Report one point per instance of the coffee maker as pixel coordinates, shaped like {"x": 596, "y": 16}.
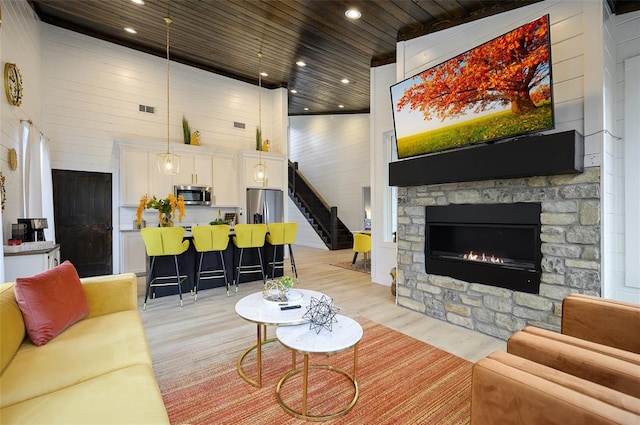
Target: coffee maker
{"x": 30, "y": 229}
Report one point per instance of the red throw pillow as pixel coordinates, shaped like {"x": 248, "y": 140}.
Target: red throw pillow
{"x": 51, "y": 301}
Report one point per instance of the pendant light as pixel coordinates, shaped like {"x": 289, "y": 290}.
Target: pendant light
{"x": 260, "y": 170}
{"x": 168, "y": 163}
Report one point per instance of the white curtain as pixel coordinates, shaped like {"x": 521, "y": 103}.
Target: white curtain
{"x": 32, "y": 186}
{"x": 47, "y": 189}
{"x": 38, "y": 185}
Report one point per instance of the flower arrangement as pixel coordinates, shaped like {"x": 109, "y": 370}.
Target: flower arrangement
{"x": 166, "y": 208}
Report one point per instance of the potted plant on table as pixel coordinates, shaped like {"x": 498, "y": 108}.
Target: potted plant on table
{"x": 287, "y": 282}
{"x": 277, "y": 290}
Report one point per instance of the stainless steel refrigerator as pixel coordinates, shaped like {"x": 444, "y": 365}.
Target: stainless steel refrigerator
{"x": 265, "y": 206}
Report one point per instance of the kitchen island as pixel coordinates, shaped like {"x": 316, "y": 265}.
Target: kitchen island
{"x": 188, "y": 264}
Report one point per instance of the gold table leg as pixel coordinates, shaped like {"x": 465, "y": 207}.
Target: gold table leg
{"x": 303, "y": 414}
{"x": 260, "y": 341}
{"x": 305, "y": 382}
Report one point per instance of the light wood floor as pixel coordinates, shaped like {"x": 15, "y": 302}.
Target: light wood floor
{"x": 353, "y": 292}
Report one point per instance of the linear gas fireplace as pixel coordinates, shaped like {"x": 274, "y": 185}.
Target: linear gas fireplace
{"x": 495, "y": 244}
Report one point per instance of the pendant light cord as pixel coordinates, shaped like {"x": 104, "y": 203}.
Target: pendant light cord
{"x": 168, "y": 21}
{"x": 260, "y": 91}
{"x": 260, "y": 103}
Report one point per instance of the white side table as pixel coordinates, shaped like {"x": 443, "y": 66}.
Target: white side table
{"x": 256, "y": 309}
{"x": 345, "y": 333}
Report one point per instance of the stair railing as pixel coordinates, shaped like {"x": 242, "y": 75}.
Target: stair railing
{"x": 324, "y": 215}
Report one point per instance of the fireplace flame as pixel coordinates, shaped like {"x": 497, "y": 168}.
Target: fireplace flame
{"x": 471, "y": 256}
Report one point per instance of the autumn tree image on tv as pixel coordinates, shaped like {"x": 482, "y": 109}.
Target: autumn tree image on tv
{"x": 499, "y": 89}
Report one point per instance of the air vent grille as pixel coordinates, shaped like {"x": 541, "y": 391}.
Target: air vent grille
{"x": 147, "y": 109}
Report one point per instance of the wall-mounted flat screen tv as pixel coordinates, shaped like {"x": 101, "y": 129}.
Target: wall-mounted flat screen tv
{"x": 498, "y": 90}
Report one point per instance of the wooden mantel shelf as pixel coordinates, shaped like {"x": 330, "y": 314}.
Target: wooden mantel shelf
{"x": 537, "y": 155}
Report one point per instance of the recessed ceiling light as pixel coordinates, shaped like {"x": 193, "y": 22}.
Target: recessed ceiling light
{"x": 130, "y": 30}
{"x": 301, "y": 63}
{"x": 344, "y": 81}
{"x": 294, "y": 91}
{"x": 340, "y": 106}
{"x": 353, "y": 14}
{"x": 264, "y": 74}
{"x": 140, "y": 2}
{"x": 306, "y": 109}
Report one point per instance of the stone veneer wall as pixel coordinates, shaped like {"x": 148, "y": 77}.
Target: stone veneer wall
{"x": 570, "y": 238}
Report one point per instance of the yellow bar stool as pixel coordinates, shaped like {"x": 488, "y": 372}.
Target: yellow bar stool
{"x": 281, "y": 234}
{"x": 164, "y": 242}
{"x": 211, "y": 239}
{"x": 249, "y": 236}
{"x": 361, "y": 243}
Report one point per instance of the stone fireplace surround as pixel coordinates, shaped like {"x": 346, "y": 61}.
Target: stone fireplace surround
{"x": 570, "y": 237}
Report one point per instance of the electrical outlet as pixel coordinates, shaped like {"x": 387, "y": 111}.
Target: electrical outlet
{"x": 591, "y": 160}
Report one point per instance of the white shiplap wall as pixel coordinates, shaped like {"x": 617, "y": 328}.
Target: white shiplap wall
{"x": 333, "y": 154}
{"x": 626, "y": 32}
{"x": 19, "y": 44}
{"x": 383, "y": 255}
{"x": 608, "y": 154}
{"x": 93, "y": 89}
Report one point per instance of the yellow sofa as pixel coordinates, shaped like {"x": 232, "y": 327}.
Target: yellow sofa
{"x": 588, "y": 374}
{"x": 98, "y": 371}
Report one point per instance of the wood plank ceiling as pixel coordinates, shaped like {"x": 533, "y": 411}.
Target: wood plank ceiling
{"x": 224, "y": 37}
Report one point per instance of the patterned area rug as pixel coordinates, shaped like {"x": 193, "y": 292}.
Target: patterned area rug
{"x": 401, "y": 380}
{"x": 359, "y": 266}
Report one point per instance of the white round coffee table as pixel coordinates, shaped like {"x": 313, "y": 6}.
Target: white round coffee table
{"x": 256, "y": 309}
{"x": 345, "y": 333}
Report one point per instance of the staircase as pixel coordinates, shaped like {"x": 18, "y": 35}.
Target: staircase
{"x": 323, "y": 218}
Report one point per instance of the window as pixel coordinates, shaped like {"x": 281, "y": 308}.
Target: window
{"x": 390, "y": 197}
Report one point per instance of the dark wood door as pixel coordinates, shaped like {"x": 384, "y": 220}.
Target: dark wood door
{"x": 82, "y": 213}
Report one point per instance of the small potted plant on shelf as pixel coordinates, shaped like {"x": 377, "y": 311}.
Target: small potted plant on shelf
{"x": 186, "y": 131}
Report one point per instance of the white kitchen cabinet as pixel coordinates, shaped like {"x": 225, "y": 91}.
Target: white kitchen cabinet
{"x": 276, "y": 173}
{"x": 134, "y": 175}
{"x": 29, "y": 263}
{"x": 276, "y": 167}
{"x": 195, "y": 169}
{"x": 160, "y": 184}
{"x": 132, "y": 252}
{"x": 225, "y": 180}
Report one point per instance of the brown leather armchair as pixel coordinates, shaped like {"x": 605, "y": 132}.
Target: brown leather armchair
{"x": 588, "y": 374}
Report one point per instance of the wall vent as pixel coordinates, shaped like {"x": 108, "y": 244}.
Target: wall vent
{"x": 148, "y": 109}
{"x": 237, "y": 124}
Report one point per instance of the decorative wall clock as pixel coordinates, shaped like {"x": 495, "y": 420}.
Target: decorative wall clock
{"x": 3, "y": 193}
{"x": 13, "y": 84}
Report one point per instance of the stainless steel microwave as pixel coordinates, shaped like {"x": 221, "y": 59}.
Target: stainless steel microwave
{"x": 194, "y": 195}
